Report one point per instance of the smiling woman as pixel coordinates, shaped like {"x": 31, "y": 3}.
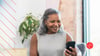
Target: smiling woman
{"x": 53, "y": 23}
{"x": 51, "y": 20}
{"x": 51, "y": 39}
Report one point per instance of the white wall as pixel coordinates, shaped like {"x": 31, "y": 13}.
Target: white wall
{"x": 37, "y": 7}
{"x": 26, "y": 6}
{"x": 95, "y": 27}
{"x": 78, "y": 21}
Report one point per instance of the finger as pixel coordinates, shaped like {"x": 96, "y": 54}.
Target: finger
{"x": 73, "y": 49}
{"x": 69, "y": 52}
{"x": 73, "y": 53}
{"x": 66, "y": 53}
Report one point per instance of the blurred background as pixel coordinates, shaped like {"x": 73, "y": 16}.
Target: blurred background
{"x": 14, "y": 12}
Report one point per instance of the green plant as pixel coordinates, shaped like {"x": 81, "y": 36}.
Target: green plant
{"x": 28, "y": 26}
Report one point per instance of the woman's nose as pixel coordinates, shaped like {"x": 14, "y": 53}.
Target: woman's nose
{"x": 56, "y": 24}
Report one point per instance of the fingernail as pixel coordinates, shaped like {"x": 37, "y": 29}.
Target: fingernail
{"x": 70, "y": 47}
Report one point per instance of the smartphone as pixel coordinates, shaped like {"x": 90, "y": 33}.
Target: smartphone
{"x": 70, "y": 44}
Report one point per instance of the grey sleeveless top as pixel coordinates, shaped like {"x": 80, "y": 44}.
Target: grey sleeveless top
{"x": 51, "y": 44}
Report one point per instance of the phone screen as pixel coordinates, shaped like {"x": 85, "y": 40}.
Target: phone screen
{"x": 70, "y": 44}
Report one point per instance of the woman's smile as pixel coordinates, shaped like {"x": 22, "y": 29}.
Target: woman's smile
{"x": 53, "y": 23}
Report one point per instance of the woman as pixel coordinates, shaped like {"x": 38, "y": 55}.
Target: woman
{"x": 50, "y": 39}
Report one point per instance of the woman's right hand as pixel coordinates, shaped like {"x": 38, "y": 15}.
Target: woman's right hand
{"x": 69, "y": 53}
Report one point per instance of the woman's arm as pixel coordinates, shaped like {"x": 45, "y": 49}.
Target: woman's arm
{"x": 67, "y": 52}
{"x": 68, "y": 38}
{"x": 33, "y": 46}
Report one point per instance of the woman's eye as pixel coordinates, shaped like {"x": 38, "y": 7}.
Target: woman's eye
{"x": 52, "y": 21}
{"x": 58, "y": 21}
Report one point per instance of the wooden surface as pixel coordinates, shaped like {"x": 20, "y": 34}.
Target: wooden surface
{"x": 13, "y": 52}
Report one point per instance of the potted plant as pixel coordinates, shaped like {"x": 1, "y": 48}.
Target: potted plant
{"x": 28, "y": 26}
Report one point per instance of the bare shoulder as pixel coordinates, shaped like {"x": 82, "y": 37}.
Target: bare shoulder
{"x": 34, "y": 37}
{"x": 68, "y": 38}
{"x": 33, "y": 45}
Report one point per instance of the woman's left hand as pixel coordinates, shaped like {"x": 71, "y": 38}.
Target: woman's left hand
{"x": 70, "y": 53}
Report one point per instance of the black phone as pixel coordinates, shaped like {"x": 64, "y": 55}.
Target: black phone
{"x": 70, "y": 44}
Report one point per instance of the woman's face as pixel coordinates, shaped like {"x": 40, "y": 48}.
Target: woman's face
{"x": 53, "y": 23}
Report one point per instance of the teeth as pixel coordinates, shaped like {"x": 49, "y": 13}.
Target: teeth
{"x": 55, "y": 28}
